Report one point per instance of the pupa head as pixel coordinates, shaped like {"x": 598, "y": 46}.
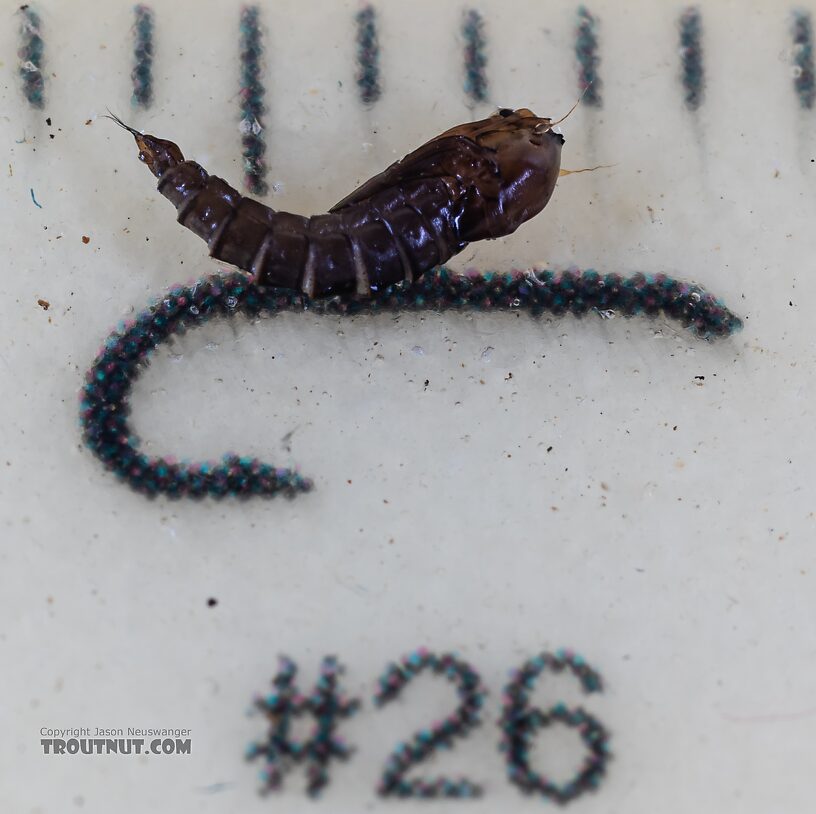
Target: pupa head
{"x": 523, "y": 154}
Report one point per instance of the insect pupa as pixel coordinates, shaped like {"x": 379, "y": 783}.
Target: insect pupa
{"x": 476, "y": 181}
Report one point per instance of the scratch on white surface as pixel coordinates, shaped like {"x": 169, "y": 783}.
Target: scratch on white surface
{"x": 769, "y": 718}
{"x": 216, "y": 788}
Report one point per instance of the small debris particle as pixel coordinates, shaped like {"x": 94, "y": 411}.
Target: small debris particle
{"x": 86, "y": 239}
{"x": 286, "y": 441}
{"x": 427, "y": 382}
{"x": 212, "y": 602}
{"x": 88, "y": 122}
{"x": 11, "y": 171}
{"x": 44, "y": 304}
{"x": 50, "y": 135}
{"x": 36, "y": 202}
{"x": 549, "y": 449}
{"x": 605, "y": 486}
{"x": 700, "y": 378}
{"x": 48, "y": 121}
{"x": 508, "y": 377}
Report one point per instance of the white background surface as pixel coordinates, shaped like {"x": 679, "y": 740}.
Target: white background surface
{"x": 667, "y": 536}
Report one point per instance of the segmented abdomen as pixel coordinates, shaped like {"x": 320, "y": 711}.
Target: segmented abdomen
{"x": 397, "y": 234}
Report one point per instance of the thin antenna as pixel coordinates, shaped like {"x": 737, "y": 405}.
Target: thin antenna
{"x": 586, "y": 169}
{"x": 568, "y": 113}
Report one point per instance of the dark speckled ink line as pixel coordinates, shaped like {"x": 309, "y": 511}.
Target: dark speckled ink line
{"x": 252, "y": 102}
{"x": 803, "y": 72}
{"x": 368, "y": 56}
{"x": 31, "y": 57}
{"x": 142, "y": 73}
{"x": 473, "y": 31}
{"x": 104, "y": 398}
{"x": 586, "y": 53}
{"x": 691, "y": 57}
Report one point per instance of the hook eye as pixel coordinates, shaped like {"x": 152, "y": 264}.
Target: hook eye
{"x": 504, "y": 112}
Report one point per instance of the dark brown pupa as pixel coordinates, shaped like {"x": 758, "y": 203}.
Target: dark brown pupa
{"x": 476, "y": 181}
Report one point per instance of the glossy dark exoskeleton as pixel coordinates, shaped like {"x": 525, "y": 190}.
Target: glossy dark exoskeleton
{"x": 476, "y": 181}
